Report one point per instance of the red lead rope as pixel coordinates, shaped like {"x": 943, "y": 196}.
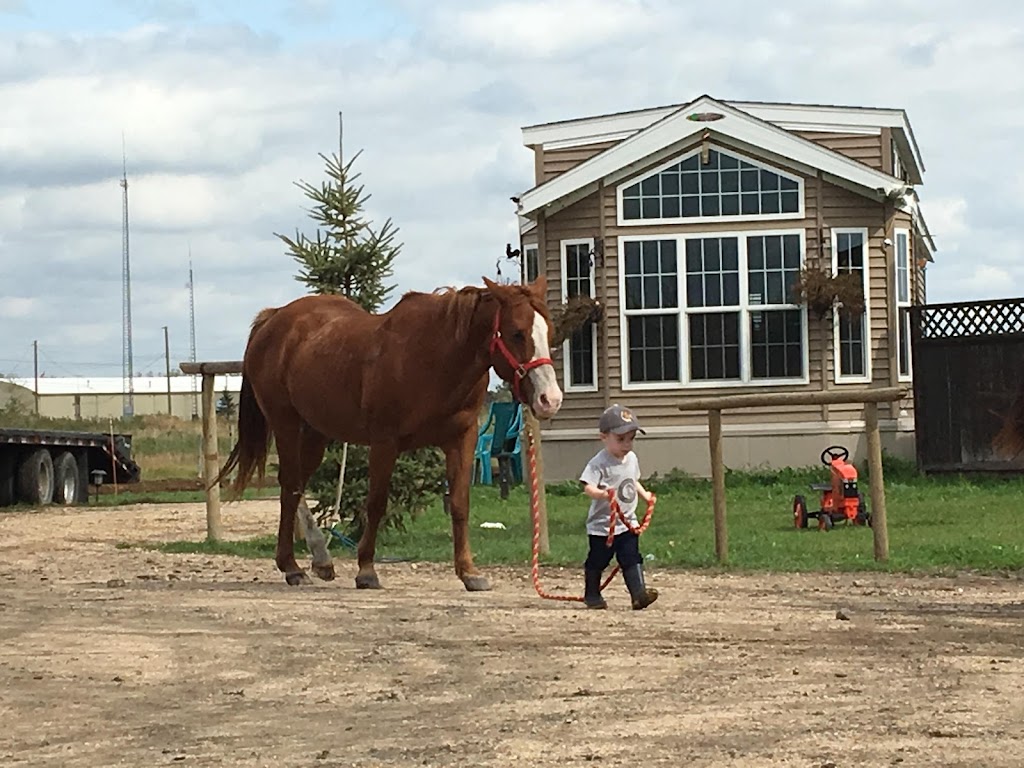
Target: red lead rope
{"x": 617, "y": 514}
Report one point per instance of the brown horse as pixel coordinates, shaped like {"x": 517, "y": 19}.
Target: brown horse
{"x": 322, "y": 368}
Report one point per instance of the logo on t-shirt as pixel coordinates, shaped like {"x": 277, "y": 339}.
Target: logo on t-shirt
{"x": 626, "y": 491}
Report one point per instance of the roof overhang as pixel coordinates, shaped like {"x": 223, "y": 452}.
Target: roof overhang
{"x": 790, "y": 117}
{"x": 675, "y": 129}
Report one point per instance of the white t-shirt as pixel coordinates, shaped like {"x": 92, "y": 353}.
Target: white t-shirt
{"x": 605, "y": 471}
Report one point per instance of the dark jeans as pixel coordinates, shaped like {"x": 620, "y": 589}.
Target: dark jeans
{"x": 625, "y": 547}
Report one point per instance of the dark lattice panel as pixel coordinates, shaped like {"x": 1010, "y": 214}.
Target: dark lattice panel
{"x": 955, "y": 321}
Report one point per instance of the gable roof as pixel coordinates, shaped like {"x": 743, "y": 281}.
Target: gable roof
{"x": 735, "y": 127}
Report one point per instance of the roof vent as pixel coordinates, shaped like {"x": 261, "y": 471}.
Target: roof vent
{"x": 705, "y": 117}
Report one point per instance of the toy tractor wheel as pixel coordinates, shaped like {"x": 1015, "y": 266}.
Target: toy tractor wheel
{"x": 824, "y": 521}
{"x": 863, "y": 518}
{"x": 799, "y": 512}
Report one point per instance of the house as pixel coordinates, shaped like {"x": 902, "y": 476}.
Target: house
{"x": 690, "y": 224}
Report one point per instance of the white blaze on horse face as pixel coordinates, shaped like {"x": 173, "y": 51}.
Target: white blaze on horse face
{"x": 547, "y": 396}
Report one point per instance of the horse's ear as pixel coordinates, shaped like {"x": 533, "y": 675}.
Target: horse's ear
{"x": 492, "y": 286}
{"x": 539, "y": 287}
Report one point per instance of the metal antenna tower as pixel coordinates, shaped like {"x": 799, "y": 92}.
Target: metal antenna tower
{"x": 192, "y": 333}
{"x": 128, "y": 384}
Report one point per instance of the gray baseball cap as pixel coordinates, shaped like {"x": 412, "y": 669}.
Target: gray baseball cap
{"x": 618, "y": 419}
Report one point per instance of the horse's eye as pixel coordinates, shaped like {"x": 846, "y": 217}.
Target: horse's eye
{"x": 519, "y": 336}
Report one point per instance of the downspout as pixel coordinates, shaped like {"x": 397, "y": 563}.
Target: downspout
{"x": 826, "y": 325}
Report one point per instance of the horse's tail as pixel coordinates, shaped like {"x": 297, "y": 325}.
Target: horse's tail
{"x": 1010, "y": 439}
{"x": 249, "y": 455}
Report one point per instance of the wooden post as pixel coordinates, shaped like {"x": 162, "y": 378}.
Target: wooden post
{"x": 211, "y": 461}
{"x": 879, "y": 524}
{"x": 533, "y": 438}
{"x": 718, "y": 484}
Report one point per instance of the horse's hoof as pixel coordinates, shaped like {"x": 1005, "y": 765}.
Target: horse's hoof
{"x": 324, "y": 572}
{"x": 367, "y": 581}
{"x": 297, "y": 579}
{"x": 476, "y": 583}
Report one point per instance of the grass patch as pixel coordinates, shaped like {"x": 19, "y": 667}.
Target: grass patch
{"x": 935, "y": 525}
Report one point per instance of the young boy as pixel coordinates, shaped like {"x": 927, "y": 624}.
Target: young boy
{"x": 615, "y": 467}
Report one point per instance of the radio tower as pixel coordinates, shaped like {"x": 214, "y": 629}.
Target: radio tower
{"x": 128, "y": 384}
{"x": 192, "y": 333}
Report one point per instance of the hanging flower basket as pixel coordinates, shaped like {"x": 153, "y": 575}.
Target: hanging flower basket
{"x": 573, "y": 315}
{"x": 821, "y": 291}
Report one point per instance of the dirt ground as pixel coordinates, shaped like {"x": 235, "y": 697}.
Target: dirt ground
{"x": 112, "y": 656}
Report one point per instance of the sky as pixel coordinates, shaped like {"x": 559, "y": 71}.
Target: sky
{"x": 218, "y": 107}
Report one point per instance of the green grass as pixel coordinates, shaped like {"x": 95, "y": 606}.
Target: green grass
{"x": 935, "y": 525}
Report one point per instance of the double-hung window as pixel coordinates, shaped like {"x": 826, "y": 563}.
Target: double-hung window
{"x": 531, "y": 262}
{"x": 579, "y": 350}
{"x": 902, "y": 282}
{"x": 651, "y": 300}
{"x": 852, "y": 333}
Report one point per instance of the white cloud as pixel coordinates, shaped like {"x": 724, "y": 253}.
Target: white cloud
{"x": 16, "y": 306}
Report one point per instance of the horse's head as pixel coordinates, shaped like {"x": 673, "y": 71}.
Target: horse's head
{"x": 521, "y": 345}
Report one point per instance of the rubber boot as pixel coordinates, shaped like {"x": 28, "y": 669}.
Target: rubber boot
{"x": 642, "y": 595}
{"x": 592, "y": 596}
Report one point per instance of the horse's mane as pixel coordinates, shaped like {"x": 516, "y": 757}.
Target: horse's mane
{"x": 460, "y": 304}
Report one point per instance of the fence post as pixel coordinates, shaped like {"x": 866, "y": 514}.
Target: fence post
{"x": 879, "y": 525}
{"x": 718, "y": 484}
{"x": 211, "y": 461}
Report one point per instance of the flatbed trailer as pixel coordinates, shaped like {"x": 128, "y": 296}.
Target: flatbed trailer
{"x": 41, "y": 466}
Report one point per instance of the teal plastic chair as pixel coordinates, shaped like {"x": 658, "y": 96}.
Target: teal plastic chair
{"x": 499, "y": 439}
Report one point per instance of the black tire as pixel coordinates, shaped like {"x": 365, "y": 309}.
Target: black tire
{"x": 825, "y": 521}
{"x": 65, "y": 480}
{"x": 8, "y": 482}
{"x": 35, "y": 478}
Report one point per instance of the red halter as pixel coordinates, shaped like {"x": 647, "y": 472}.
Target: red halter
{"x": 520, "y": 369}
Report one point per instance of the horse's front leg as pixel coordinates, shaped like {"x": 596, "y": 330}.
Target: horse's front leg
{"x": 382, "y": 463}
{"x": 459, "y": 460}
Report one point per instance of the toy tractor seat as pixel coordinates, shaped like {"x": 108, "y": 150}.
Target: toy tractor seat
{"x": 840, "y": 499}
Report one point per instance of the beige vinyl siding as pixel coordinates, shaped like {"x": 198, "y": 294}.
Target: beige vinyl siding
{"x": 864, "y": 148}
{"x": 555, "y": 162}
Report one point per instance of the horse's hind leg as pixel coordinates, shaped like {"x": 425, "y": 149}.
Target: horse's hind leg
{"x": 382, "y": 464}
{"x": 299, "y": 454}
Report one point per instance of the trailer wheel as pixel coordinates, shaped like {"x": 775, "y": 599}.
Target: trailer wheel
{"x": 65, "y": 479}
{"x": 7, "y": 478}
{"x": 35, "y": 478}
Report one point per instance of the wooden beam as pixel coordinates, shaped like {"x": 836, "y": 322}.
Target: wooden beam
{"x": 718, "y": 485}
{"x": 879, "y": 524}
{"x": 211, "y": 461}
{"x": 878, "y": 395}
{"x": 221, "y": 367}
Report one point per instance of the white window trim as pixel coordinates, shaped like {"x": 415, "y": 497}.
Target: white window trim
{"x": 685, "y": 384}
{"x": 838, "y": 377}
{"x": 675, "y": 160}
{"x": 566, "y": 361}
{"x": 897, "y": 234}
{"x": 526, "y": 261}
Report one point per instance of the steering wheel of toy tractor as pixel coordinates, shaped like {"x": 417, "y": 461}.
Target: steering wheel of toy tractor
{"x": 834, "y": 452}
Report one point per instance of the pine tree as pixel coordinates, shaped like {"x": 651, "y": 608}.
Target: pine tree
{"x": 348, "y": 257}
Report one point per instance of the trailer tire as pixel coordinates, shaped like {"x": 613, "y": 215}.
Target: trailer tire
{"x": 35, "y": 478}
{"x": 7, "y": 478}
{"x": 65, "y": 479}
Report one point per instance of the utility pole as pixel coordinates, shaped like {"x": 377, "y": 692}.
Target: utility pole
{"x": 35, "y": 357}
{"x": 167, "y": 363}
{"x": 127, "y": 365}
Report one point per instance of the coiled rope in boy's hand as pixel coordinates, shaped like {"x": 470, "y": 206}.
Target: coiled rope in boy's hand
{"x": 531, "y": 453}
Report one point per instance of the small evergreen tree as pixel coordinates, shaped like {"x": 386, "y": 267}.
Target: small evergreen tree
{"x": 348, "y": 257}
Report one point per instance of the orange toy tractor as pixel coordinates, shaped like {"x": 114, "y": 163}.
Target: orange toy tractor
{"x": 840, "y": 499}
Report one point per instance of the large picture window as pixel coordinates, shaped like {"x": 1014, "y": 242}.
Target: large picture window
{"x": 720, "y": 185}
{"x": 730, "y": 297}
{"x": 902, "y": 282}
{"x": 580, "y": 348}
{"x": 852, "y": 334}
